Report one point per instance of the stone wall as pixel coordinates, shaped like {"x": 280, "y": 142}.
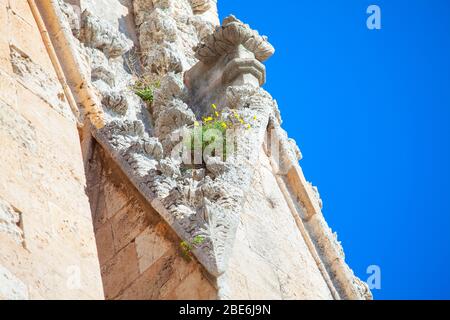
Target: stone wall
{"x": 140, "y": 255}
{"x": 87, "y": 164}
{"x": 47, "y": 241}
{"x": 270, "y": 258}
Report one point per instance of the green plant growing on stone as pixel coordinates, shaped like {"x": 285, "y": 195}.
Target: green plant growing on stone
{"x": 198, "y": 241}
{"x": 200, "y": 136}
{"x": 187, "y": 247}
{"x": 144, "y": 89}
{"x": 144, "y": 85}
{"x": 145, "y": 94}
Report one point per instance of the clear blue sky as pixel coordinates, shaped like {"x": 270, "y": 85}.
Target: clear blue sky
{"x": 370, "y": 111}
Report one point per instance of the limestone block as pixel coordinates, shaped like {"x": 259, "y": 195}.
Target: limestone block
{"x": 22, "y": 9}
{"x": 195, "y": 287}
{"x": 232, "y": 280}
{"x": 11, "y": 288}
{"x": 272, "y": 257}
{"x": 62, "y": 177}
{"x": 98, "y": 205}
{"x": 160, "y": 280}
{"x": 105, "y": 243}
{"x": 42, "y": 172}
{"x": 5, "y": 64}
{"x": 120, "y": 271}
{"x": 116, "y": 198}
{"x": 40, "y": 82}
{"x": 8, "y": 89}
{"x": 27, "y": 38}
{"x": 127, "y": 224}
{"x": 115, "y": 12}
{"x": 150, "y": 246}
{"x": 17, "y": 132}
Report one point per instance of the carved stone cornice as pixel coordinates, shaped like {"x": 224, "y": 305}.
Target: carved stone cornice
{"x": 230, "y": 56}
{"x": 200, "y": 6}
{"x": 230, "y": 35}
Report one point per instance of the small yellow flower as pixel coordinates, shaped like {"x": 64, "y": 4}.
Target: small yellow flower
{"x": 224, "y": 125}
{"x": 254, "y": 118}
{"x": 196, "y": 124}
{"x": 241, "y": 121}
{"x": 217, "y": 114}
{"x": 208, "y": 119}
{"x": 248, "y": 127}
{"x": 214, "y": 106}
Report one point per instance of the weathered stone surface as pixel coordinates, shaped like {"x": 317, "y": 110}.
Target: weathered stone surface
{"x": 200, "y": 6}
{"x": 127, "y": 224}
{"x": 262, "y": 232}
{"x": 25, "y": 36}
{"x": 11, "y": 288}
{"x": 164, "y": 277}
{"x": 5, "y": 63}
{"x": 100, "y": 35}
{"x": 105, "y": 243}
{"x": 271, "y": 260}
{"x": 150, "y": 247}
{"x": 229, "y": 72}
{"x": 10, "y": 221}
{"x": 48, "y": 248}
{"x": 231, "y": 34}
{"x": 120, "y": 271}
{"x": 40, "y": 82}
{"x": 8, "y": 88}
{"x": 22, "y": 9}
{"x": 193, "y": 288}
{"x": 154, "y": 242}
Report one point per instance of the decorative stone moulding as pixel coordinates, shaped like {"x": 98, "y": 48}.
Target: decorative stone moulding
{"x": 196, "y": 202}
{"x": 242, "y": 71}
{"x": 231, "y": 56}
{"x": 200, "y": 6}
{"x": 230, "y": 35}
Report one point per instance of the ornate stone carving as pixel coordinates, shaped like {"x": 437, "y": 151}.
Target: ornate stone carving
{"x": 196, "y": 201}
{"x": 230, "y": 35}
{"x": 97, "y": 34}
{"x": 116, "y": 101}
{"x": 200, "y": 6}
{"x": 72, "y": 17}
{"x": 230, "y": 56}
